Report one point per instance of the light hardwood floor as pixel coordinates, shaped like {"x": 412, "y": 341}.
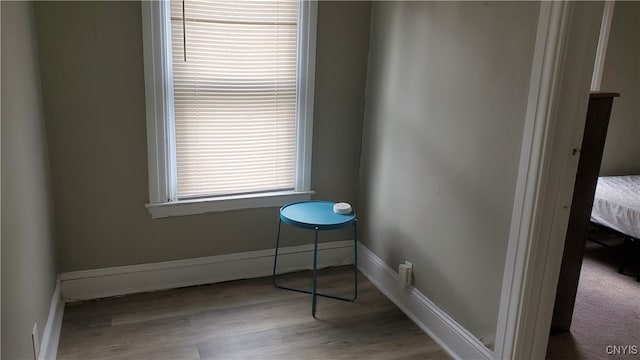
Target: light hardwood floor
{"x": 246, "y": 319}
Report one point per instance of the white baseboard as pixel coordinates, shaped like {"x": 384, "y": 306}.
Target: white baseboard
{"x": 121, "y": 280}
{"x": 51, "y": 333}
{"x": 454, "y": 338}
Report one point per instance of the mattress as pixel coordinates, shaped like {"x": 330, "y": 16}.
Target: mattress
{"x": 617, "y": 204}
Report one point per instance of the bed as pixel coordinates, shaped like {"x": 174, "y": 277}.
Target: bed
{"x": 616, "y": 206}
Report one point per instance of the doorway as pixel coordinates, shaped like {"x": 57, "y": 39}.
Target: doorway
{"x": 606, "y": 312}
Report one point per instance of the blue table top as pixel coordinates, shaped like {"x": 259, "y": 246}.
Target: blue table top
{"x": 312, "y": 214}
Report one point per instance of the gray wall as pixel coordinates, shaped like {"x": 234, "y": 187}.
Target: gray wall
{"x": 622, "y": 74}
{"x": 93, "y": 91}
{"x": 446, "y": 98}
{"x": 28, "y": 268}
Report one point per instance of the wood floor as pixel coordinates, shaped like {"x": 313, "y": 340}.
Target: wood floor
{"x": 246, "y": 319}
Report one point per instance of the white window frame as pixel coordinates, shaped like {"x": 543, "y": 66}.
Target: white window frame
{"x": 163, "y": 200}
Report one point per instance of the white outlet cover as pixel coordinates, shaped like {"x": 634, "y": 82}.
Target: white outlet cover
{"x": 36, "y": 341}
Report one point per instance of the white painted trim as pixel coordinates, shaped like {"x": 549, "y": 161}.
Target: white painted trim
{"x": 603, "y": 41}
{"x": 306, "y": 74}
{"x": 559, "y": 173}
{"x": 121, "y": 280}
{"x": 51, "y": 333}
{"x": 454, "y": 338}
{"x": 555, "y": 121}
{"x": 530, "y": 185}
{"x": 226, "y": 203}
{"x": 159, "y": 100}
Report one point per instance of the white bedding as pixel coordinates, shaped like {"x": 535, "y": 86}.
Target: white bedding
{"x": 617, "y": 204}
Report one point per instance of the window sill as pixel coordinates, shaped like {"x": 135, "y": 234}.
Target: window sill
{"x": 226, "y": 203}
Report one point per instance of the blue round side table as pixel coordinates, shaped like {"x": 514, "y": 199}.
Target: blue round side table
{"x": 317, "y": 215}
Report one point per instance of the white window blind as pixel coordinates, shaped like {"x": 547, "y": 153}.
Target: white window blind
{"x": 234, "y": 96}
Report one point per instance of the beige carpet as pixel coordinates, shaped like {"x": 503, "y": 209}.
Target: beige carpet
{"x": 607, "y": 310}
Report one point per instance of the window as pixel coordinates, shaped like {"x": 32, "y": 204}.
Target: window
{"x": 229, "y": 92}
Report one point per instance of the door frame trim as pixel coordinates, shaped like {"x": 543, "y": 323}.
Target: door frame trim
{"x": 553, "y": 126}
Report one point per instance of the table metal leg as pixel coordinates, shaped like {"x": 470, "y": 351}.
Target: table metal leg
{"x": 355, "y": 260}
{"x": 315, "y": 270}
{"x": 275, "y": 260}
{"x": 314, "y": 291}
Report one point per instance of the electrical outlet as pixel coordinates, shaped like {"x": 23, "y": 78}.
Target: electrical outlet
{"x": 405, "y": 273}
{"x": 402, "y": 273}
{"x": 35, "y": 339}
{"x": 409, "y": 278}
